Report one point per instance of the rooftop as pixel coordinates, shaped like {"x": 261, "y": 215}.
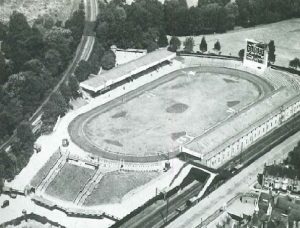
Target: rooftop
{"x": 123, "y": 71}
{"x": 224, "y": 134}
{"x": 281, "y": 171}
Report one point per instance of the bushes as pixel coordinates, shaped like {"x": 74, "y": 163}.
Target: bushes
{"x": 108, "y": 60}
{"x": 175, "y": 44}
{"x": 295, "y": 63}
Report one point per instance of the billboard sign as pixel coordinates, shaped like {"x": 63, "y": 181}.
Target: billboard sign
{"x": 255, "y": 54}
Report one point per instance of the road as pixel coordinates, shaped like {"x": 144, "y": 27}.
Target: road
{"x": 83, "y": 51}
{"x": 234, "y": 186}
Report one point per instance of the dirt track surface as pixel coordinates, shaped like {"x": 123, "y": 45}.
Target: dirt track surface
{"x": 77, "y": 126}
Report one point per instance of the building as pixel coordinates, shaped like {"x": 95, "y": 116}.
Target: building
{"x": 281, "y": 178}
{"x": 231, "y": 137}
{"x": 271, "y": 211}
{"x": 127, "y": 72}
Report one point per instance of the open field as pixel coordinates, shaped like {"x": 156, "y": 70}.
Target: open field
{"x": 114, "y": 186}
{"x": 286, "y": 35}
{"x": 57, "y": 9}
{"x": 176, "y": 102}
{"x": 69, "y": 181}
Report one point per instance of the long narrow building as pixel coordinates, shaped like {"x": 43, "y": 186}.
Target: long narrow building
{"x": 228, "y": 139}
{"x": 122, "y": 73}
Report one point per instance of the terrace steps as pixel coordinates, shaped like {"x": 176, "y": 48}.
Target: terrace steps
{"x": 52, "y": 174}
{"x": 89, "y": 187}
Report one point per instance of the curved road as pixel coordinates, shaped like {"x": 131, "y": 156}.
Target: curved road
{"x": 78, "y": 135}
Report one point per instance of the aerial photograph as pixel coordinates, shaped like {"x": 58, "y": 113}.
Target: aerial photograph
{"x": 150, "y": 113}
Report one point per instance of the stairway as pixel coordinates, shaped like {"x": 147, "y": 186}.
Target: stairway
{"x": 88, "y": 188}
{"x": 52, "y": 174}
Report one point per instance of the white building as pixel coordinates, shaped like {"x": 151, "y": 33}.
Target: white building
{"x": 228, "y": 139}
{"x": 128, "y": 71}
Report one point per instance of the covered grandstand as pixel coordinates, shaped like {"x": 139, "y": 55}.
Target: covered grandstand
{"x": 131, "y": 70}
{"x": 221, "y": 143}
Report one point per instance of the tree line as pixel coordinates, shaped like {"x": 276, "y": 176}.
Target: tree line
{"x": 32, "y": 61}
{"x": 145, "y": 23}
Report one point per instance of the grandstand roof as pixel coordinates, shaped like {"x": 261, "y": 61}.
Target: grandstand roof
{"x": 123, "y": 71}
{"x": 226, "y": 133}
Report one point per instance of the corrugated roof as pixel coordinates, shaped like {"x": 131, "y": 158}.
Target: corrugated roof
{"x": 219, "y": 137}
{"x": 122, "y": 71}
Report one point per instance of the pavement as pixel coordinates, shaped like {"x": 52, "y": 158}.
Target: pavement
{"x": 16, "y": 206}
{"x": 237, "y": 184}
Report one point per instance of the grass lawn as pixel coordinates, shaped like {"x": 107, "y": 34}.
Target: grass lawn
{"x": 286, "y": 35}
{"x": 43, "y": 172}
{"x": 153, "y": 121}
{"x": 69, "y": 181}
{"x": 114, "y": 186}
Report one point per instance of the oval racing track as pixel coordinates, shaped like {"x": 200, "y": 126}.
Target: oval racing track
{"x": 77, "y": 125}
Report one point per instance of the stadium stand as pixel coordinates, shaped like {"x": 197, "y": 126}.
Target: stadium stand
{"x": 127, "y": 72}
{"x": 230, "y": 138}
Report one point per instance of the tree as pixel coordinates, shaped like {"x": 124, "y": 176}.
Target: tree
{"x": 203, "y": 45}
{"x": 24, "y": 133}
{"x": 74, "y": 86}
{"x": 232, "y": 13}
{"x": 59, "y": 39}
{"x": 241, "y": 54}
{"x": 108, "y": 60}
{"x": 66, "y": 92}
{"x": 53, "y": 62}
{"x": 176, "y": 18}
{"x": 76, "y": 25}
{"x": 82, "y": 71}
{"x": 217, "y": 46}
{"x": 175, "y": 44}
{"x": 6, "y": 125}
{"x": 151, "y": 46}
{"x": 32, "y": 92}
{"x": 272, "y": 55}
{"x": 14, "y": 46}
{"x": 162, "y": 40}
{"x": 56, "y": 106}
{"x": 189, "y": 44}
{"x": 3, "y": 31}
{"x": 295, "y": 63}
{"x": 36, "y": 66}
{"x": 95, "y": 57}
{"x": 3, "y": 75}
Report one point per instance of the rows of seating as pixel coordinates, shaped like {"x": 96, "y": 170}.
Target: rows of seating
{"x": 274, "y": 77}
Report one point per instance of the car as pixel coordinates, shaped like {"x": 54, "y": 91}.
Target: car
{"x": 5, "y": 203}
